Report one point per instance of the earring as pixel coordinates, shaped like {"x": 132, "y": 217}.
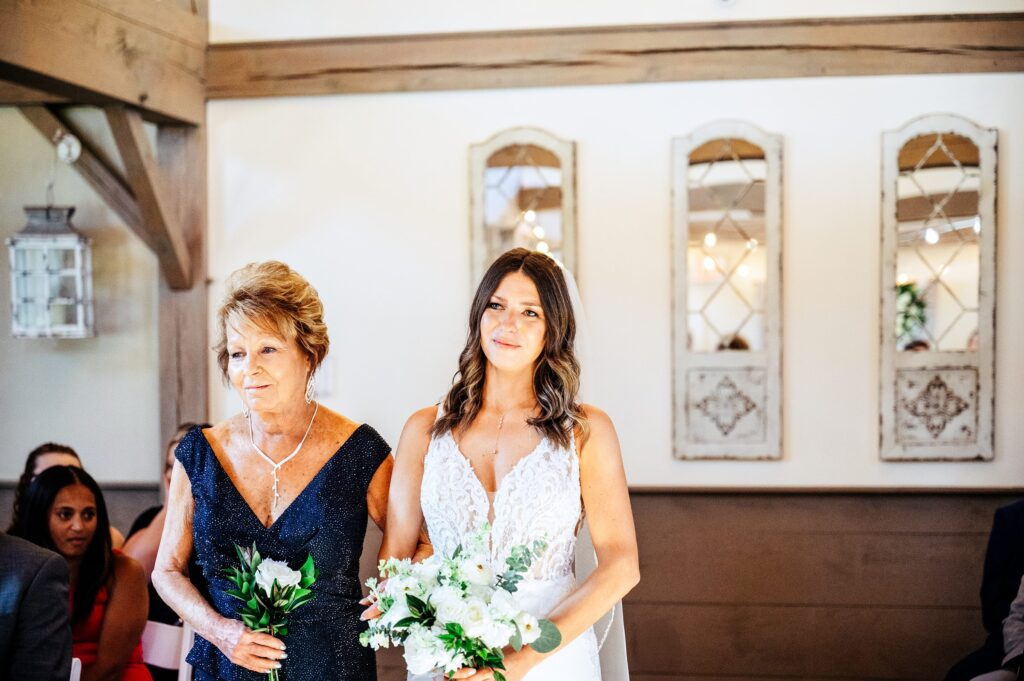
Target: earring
{"x": 310, "y": 389}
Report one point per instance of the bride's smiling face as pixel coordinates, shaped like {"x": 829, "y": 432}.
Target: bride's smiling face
{"x": 266, "y": 370}
{"x": 512, "y": 327}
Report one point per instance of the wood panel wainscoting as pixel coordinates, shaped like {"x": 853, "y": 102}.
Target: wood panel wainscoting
{"x": 756, "y": 585}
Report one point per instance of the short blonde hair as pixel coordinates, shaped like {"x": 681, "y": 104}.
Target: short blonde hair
{"x": 274, "y": 297}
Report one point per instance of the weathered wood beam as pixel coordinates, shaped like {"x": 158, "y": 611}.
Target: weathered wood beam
{"x": 106, "y": 180}
{"x": 182, "y": 322}
{"x": 159, "y": 228}
{"x": 148, "y": 54}
{"x": 634, "y": 54}
{"x": 13, "y": 94}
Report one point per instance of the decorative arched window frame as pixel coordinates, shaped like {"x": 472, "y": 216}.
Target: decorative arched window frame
{"x": 913, "y": 383}
{"x": 563, "y": 150}
{"x": 728, "y": 404}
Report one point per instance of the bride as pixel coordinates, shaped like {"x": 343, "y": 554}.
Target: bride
{"x": 510, "y": 445}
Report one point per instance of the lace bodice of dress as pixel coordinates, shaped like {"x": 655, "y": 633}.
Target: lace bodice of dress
{"x": 538, "y": 499}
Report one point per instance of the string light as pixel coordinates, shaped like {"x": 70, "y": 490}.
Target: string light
{"x": 710, "y": 239}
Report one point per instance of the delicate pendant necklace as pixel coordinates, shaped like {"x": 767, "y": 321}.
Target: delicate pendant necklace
{"x": 501, "y": 420}
{"x": 277, "y": 466}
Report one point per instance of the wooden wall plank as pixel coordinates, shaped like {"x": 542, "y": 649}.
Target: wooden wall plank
{"x": 148, "y": 54}
{"x": 159, "y": 228}
{"x": 633, "y": 54}
{"x": 796, "y": 642}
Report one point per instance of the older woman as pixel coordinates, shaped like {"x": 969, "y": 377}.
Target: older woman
{"x": 288, "y": 474}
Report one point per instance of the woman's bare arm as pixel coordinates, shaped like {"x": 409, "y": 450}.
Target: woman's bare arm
{"x": 123, "y": 622}
{"x": 402, "y": 531}
{"x": 143, "y": 545}
{"x": 256, "y": 652}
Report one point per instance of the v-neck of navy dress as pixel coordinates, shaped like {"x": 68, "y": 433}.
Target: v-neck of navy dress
{"x": 326, "y": 520}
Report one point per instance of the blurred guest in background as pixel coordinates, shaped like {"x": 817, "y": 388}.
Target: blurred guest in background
{"x": 63, "y": 510}
{"x": 39, "y": 459}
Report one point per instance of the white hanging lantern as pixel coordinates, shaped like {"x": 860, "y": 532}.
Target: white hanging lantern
{"x": 51, "y": 277}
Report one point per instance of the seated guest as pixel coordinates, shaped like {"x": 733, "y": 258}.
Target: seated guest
{"x": 1004, "y": 568}
{"x": 35, "y": 630}
{"x": 142, "y": 544}
{"x": 39, "y": 459}
{"x": 63, "y": 510}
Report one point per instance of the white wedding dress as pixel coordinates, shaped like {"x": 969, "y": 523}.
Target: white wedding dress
{"x": 538, "y": 498}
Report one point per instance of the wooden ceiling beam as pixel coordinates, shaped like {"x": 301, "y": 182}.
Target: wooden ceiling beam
{"x": 151, "y": 55}
{"x": 12, "y": 94}
{"x": 158, "y": 228}
{"x": 101, "y": 176}
{"x": 622, "y": 54}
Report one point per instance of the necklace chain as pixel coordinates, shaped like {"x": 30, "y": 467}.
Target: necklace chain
{"x": 497, "y": 437}
{"x": 277, "y": 466}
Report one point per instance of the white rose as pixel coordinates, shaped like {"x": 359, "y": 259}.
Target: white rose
{"x": 477, "y": 619}
{"x": 398, "y": 611}
{"x": 422, "y": 651}
{"x": 449, "y": 605}
{"x": 529, "y": 627}
{"x": 503, "y": 605}
{"x": 477, "y": 570}
{"x": 427, "y": 571}
{"x": 498, "y": 634}
{"x": 270, "y": 571}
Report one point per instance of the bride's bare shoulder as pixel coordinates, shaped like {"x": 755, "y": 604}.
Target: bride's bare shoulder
{"x": 421, "y": 422}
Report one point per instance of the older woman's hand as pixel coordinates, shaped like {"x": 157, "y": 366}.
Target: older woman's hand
{"x": 246, "y": 648}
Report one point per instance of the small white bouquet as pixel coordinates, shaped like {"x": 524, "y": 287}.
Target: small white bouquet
{"x": 269, "y": 591}
{"x": 450, "y": 612}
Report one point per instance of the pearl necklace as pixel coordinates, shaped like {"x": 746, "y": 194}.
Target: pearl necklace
{"x": 277, "y": 466}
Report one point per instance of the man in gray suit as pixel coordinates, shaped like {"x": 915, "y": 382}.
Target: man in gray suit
{"x": 35, "y": 615}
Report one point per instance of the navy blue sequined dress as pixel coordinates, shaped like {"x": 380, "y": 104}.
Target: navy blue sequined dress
{"x": 327, "y": 519}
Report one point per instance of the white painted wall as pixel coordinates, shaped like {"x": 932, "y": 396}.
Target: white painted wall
{"x": 245, "y": 20}
{"x": 99, "y": 395}
{"x": 367, "y": 195}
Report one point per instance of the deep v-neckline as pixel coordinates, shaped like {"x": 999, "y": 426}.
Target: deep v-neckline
{"x": 293, "y": 502}
{"x": 492, "y": 502}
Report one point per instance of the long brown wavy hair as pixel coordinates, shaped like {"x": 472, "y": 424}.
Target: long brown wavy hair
{"x": 556, "y": 372}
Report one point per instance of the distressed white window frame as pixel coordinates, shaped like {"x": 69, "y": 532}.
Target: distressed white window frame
{"x": 564, "y": 150}
{"x": 959, "y": 369}
{"x": 760, "y": 367}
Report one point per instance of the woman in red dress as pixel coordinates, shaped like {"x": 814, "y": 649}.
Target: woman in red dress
{"x": 64, "y": 511}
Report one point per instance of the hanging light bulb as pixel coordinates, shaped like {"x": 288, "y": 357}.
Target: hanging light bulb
{"x": 751, "y": 243}
{"x": 543, "y": 247}
{"x": 902, "y": 278}
{"x": 530, "y": 216}
{"x": 744, "y": 271}
{"x": 538, "y": 231}
{"x": 709, "y": 263}
{"x": 931, "y": 236}
{"x": 710, "y": 239}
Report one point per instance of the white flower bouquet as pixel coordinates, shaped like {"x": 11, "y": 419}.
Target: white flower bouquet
{"x": 450, "y": 612}
{"x": 269, "y": 591}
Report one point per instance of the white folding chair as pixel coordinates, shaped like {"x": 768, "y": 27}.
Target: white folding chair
{"x": 166, "y": 646}
{"x": 76, "y": 669}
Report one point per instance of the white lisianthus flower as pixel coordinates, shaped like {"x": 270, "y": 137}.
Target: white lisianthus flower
{"x": 477, "y": 570}
{"x": 422, "y": 651}
{"x": 529, "y": 627}
{"x": 270, "y": 571}
{"x": 400, "y": 586}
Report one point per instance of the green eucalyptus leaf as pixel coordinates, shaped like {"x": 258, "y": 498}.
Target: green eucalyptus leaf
{"x": 549, "y": 639}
